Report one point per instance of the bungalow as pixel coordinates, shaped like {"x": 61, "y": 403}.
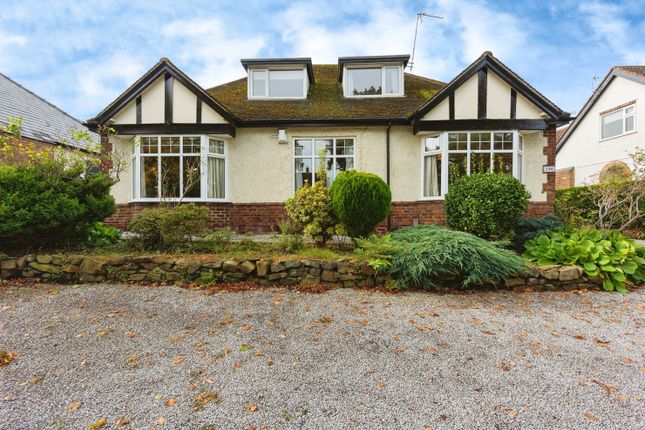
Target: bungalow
{"x": 44, "y": 128}
{"x": 600, "y": 140}
{"x": 256, "y": 140}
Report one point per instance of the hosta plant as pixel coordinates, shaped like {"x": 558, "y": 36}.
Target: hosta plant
{"x": 615, "y": 259}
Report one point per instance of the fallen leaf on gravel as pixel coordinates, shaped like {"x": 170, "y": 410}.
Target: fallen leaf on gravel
{"x": 433, "y": 314}
{"x": 380, "y": 384}
{"x": 488, "y": 332}
{"x": 259, "y": 353}
{"x": 177, "y": 360}
{"x": 579, "y": 336}
{"x": 591, "y": 417}
{"x": 627, "y": 360}
{"x": 74, "y": 406}
{"x": 400, "y": 349}
{"x": 608, "y": 388}
{"x": 326, "y": 320}
{"x": 122, "y": 421}
{"x": 251, "y": 407}
{"x": 99, "y": 424}
{"x": 171, "y": 402}
{"x": 203, "y": 398}
{"x": 36, "y": 379}
{"x": 130, "y": 334}
{"x": 602, "y": 342}
{"x": 244, "y": 348}
{"x": 162, "y": 421}
{"x": 246, "y": 327}
{"x": 7, "y": 358}
{"x": 432, "y": 350}
{"x": 623, "y": 397}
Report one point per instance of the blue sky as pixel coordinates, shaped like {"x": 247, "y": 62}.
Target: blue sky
{"x": 81, "y": 54}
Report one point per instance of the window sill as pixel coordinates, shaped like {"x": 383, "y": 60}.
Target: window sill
{"x": 191, "y": 200}
{"x": 431, "y": 199}
{"x": 379, "y": 96}
{"x": 618, "y": 136}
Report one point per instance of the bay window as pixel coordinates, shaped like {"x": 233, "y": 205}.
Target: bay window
{"x": 618, "y": 122}
{"x": 192, "y": 168}
{"x": 338, "y": 154}
{"x": 450, "y": 156}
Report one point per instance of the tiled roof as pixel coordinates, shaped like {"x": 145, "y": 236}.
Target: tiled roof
{"x": 634, "y": 70}
{"x": 325, "y": 100}
{"x": 41, "y": 120}
{"x": 560, "y": 132}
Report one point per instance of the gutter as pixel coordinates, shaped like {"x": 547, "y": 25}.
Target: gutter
{"x": 387, "y": 167}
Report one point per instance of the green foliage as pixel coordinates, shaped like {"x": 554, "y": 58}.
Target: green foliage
{"x": 50, "y": 203}
{"x": 169, "y": 229}
{"x": 615, "y": 259}
{"x": 361, "y": 201}
{"x": 427, "y": 256}
{"x": 489, "y": 205}
{"x": 529, "y": 228}
{"x": 576, "y": 206}
{"x": 310, "y": 210}
{"x": 289, "y": 240}
{"x": 99, "y": 234}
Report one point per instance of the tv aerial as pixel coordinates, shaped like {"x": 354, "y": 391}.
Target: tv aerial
{"x": 420, "y": 17}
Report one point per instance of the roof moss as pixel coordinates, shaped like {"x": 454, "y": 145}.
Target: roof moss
{"x": 325, "y": 100}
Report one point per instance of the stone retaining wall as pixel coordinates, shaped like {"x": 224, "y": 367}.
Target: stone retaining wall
{"x": 209, "y": 269}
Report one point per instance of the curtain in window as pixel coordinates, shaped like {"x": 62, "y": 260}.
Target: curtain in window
{"x": 216, "y": 178}
{"x": 431, "y": 182}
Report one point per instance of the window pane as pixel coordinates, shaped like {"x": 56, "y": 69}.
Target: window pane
{"x": 324, "y": 146}
{"x": 520, "y": 143}
{"x": 457, "y": 167}
{"x": 363, "y": 82}
{"x": 304, "y": 172}
{"x": 519, "y": 167}
{"x": 629, "y": 123}
{"x": 149, "y": 145}
{"x": 149, "y": 180}
{"x": 303, "y": 147}
{"x": 216, "y": 146}
{"x": 259, "y": 83}
{"x": 170, "y": 145}
{"x": 392, "y": 80}
{"x": 170, "y": 176}
{"x": 612, "y": 124}
{"x": 285, "y": 83}
{"x": 191, "y": 145}
{"x": 343, "y": 164}
{"x": 503, "y": 141}
{"x": 192, "y": 177}
{"x": 457, "y": 141}
{"x": 344, "y": 146}
{"x": 329, "y": 167}
{"x": 629, "y": 110}
{"x": 432, "y": 144}
{"x": 479, "y": 141}
{"x": 503, "y": 163}
{"x": 432, "y": 176}
{"x": 479, "y": 163}
{"x": 216, "y": 178}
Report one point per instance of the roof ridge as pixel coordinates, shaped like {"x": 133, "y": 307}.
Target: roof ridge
{"x": 42, "y": 99}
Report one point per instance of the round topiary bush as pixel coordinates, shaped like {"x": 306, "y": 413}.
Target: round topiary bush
{"x": 489, "y": 205}
{"x": 361, "y": 201}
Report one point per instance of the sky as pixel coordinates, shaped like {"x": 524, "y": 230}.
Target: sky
{"x": 80, "y": 55}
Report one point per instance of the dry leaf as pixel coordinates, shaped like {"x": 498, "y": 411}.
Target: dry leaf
{"x": 130, "y": 334}
{"x": 122, "y": 421}
{"x": 99, "y": 424}
{"x": 608, "y": 388}
{"x": 628, "y": 360}
{"x": 246, "y": 327}
{"x": 590, "y": 416}
{"x": 433, "y": 314}
{"x": 7, "y": 358}
{"x": 432, "y": 350}
{"x": 171, "y": 402}
{"x": 326, "y": 320}
{"x": 251, "y": 407}
{"x": 380, "y": 384}
{"x": 177, "y": 360}
{"x": 162, "y": 421}
{"x": 74, "y": 406}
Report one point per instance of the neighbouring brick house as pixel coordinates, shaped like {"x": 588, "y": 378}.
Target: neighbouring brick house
{"x": 44, "y": 126}
{"x": 258, "y": 139}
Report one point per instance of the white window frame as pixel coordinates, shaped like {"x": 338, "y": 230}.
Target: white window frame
{"x": 204, "y": 155}
{"x": 517, "y": 152}
{"x": 624, "y": 121}
{"x": 267, "y": 81}
{"x": 348, "y": 91}
{"x": 313, "y": 157}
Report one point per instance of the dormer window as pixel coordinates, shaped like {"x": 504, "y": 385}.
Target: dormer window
{"x": 380, "y": 76}
{"x": 280, "y": 78}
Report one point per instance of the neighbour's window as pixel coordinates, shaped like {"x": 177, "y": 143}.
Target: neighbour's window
{"x": 174, "y": 167}
{"x": 450, "y": 156}
{"x": 618, "y": 122}
{"x": 373, "y": 81}
{"x": 338, "y": 154}
{"x": 277, "y": 83}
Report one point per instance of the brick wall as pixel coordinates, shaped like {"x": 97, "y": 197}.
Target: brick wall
{"x": 565, "y": 178}
{"x": 549, "y": 150}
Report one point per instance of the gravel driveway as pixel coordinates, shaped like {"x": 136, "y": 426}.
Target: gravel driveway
{"x": 144, "y": 357}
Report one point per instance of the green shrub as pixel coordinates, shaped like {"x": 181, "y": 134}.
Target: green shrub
{"x": 221, "y": 237}
{"x": 488, "y": 205}
{"x": 361, "y": 201}
{"x": 609, "y": 255}
{"x": 99, "y": 234}
{"x": 529, "y": 228}
{"x": 310, "y": 210}
{"x": 427, "y": 256}
{"x": 50, "y": 203}
{"x": 576, "y": 206}
{"x": 169, "y": 229}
